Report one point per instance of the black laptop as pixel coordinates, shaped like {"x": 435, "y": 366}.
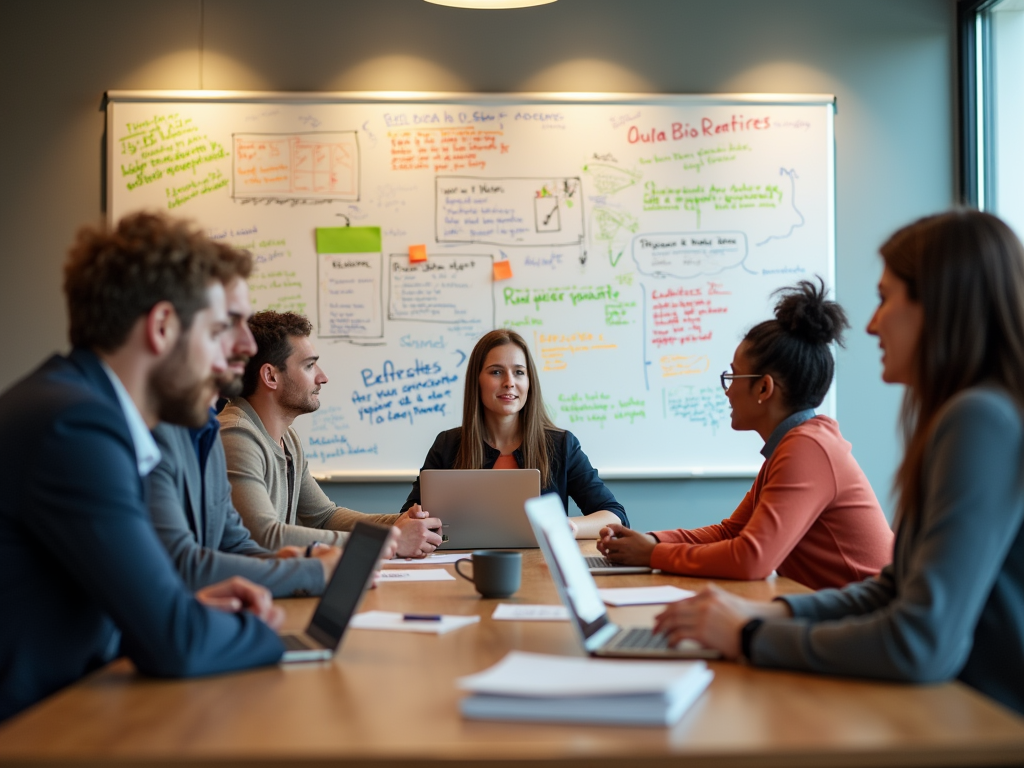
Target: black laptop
{"x": 345, "y": 591}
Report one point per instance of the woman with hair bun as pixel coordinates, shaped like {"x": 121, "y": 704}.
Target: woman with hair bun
{"x": 811, "y": 514}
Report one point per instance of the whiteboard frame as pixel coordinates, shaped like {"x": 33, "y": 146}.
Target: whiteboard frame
{"x": 112, "y": 97}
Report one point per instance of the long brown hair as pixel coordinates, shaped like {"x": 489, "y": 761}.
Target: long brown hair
{"x": 533, "y": 418}
{"x": 966, "y": 270}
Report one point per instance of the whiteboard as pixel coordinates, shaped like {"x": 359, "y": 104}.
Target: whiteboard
{"x": 631, "y": 240}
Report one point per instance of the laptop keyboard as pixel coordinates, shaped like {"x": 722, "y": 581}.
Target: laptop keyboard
{"x": 638, "y": 638}
{"x": 600, "y": 562}
{"x": 296, "y": 643}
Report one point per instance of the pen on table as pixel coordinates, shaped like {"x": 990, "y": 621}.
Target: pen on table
{"x": 420, "y": 617}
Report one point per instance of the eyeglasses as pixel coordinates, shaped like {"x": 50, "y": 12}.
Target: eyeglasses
{"x": 726, "y": 378}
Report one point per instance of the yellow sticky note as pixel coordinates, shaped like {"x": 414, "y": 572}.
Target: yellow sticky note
{"x": 417, "y": 253}
{"x": 502, "y": 270}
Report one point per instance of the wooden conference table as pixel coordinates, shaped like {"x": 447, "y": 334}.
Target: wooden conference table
{"x": 388, "y": 699}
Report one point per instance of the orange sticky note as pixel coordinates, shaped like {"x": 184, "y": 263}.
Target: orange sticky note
{"x": 417, "y": 253}
{"x": 502, "y": 270}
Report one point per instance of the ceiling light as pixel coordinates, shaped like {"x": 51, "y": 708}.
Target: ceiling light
{"x": 490, "y": 4}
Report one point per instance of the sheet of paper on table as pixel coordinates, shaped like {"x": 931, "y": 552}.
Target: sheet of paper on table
{"x": 538, "y": 687}
{"x": 421, "y": 574}
{"x": 395, "y": 622}
{"x": 434, "y": 559}
{"x": 513, "y": 612}
{"x": 644, "y": 595}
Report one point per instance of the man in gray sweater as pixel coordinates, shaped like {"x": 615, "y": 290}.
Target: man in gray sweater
{"x": 271, "y": 485}
{"x": 189, "y": 495}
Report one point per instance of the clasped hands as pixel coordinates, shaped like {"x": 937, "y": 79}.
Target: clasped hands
{"x": 419, "y": 533}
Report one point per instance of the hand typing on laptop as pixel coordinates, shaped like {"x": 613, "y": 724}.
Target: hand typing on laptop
{"x": 624, "y": 545}
{"x": 237, "y": 594}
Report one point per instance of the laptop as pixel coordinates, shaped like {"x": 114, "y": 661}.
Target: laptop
{"x": 341, "y": 598}
{"x": 481, "y": 508}
{"x": 599, "y": 635}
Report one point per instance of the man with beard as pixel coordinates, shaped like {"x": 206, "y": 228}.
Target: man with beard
{"x": 190, "y": 497}
{"x": 83, "y": 576}
{"x": 271, "y": 486}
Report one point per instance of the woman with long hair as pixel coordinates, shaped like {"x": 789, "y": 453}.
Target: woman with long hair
{"x": 505, "y": 426}
{"x": 811, "y": 514}
{"x": 950, "y": 323}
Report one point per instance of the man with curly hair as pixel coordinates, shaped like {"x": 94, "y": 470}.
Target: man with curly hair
{"x": 83, "y": 576}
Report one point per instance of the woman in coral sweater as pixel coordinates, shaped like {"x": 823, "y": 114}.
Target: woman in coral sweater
{"x": 811, "y": 514}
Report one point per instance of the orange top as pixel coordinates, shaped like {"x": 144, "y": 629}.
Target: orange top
{"x": 811, "y": 516}
{"x": 506, "y": 461}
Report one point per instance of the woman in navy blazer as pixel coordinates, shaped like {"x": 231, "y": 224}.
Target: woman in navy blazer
{"x": 505, "y": 426}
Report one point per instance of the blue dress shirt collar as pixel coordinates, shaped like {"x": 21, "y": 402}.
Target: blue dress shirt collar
{"x": 793, "y": 420}
{"x": 147, "y": 453}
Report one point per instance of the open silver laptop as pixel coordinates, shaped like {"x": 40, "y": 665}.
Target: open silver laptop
{"x": 599, "y": 635}
{"x": 341, "y": 597}
{"x": 481, "y": 508}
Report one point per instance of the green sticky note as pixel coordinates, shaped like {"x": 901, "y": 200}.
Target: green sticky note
{"x": 348, "y": 240}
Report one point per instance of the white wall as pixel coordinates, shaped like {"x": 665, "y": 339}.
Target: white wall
{"x": 889, "y": 63}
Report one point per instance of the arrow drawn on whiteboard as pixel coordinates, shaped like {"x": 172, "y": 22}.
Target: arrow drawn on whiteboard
{"x": 348, "y": 221}
{"x": 462, "y": 358}
{"x": 369, "y": 134}
{"x": 792, "y": 196}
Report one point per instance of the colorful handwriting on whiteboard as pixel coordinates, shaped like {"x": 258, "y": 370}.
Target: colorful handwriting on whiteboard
{"x": 553, "y": 348}
{"x": 396, "y": 394}
{"x": 600, "y": 407}
{"x": 166, "y": 146}
{"x": 441, "y": 150}
{"x": 704, "y": 406}
{"x": 683, "y": 365}
{"x": 678, "y": 314}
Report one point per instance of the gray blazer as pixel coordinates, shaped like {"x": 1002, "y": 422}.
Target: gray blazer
{"x": 209, "y": 549}
{"x": 952, "y": 602}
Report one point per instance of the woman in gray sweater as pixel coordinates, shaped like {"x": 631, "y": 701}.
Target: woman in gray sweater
{"x": 950, "y": 323}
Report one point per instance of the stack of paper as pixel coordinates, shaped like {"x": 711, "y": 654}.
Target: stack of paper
{"x": 536, "y": 687}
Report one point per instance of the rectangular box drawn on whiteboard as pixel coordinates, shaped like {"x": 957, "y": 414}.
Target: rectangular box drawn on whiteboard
{"x": 447, "y": 289}
{"x": 296, "y": 166}
{"x": 509, "y": 211}
{"x": 349, "y": 300}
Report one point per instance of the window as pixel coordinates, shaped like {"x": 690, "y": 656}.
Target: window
{"x": 992, "y": 107}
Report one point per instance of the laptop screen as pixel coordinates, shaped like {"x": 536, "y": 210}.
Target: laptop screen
{"x": 568, "y": 568}
{"x": 350, "y": 580}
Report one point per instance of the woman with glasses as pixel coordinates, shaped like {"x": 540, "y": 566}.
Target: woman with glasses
{"x": 950, "y": 323}
{"x": 811, "y": 514}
